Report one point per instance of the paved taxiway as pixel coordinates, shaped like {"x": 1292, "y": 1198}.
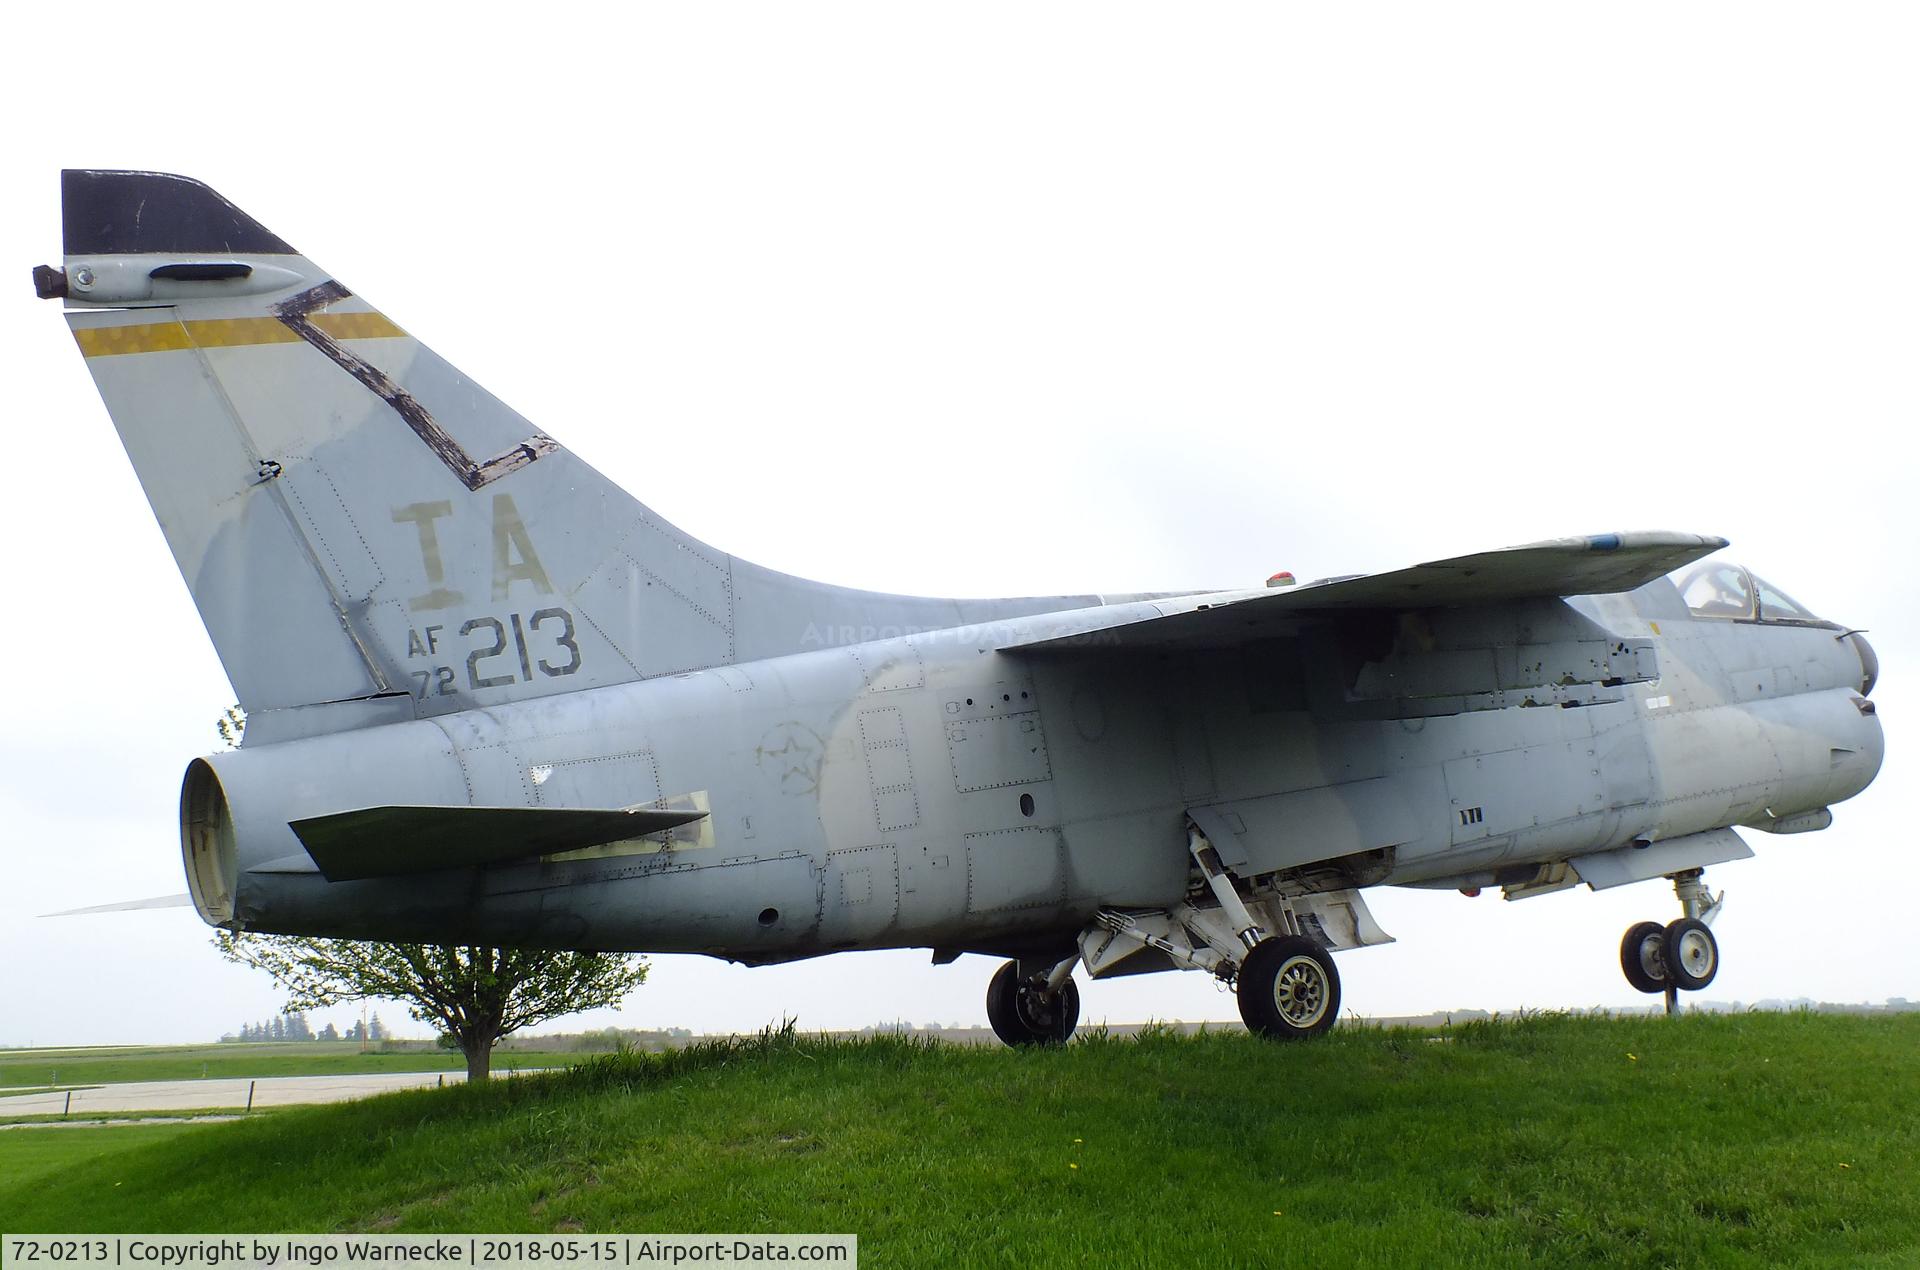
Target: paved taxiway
{"x": 180, "y": 1095}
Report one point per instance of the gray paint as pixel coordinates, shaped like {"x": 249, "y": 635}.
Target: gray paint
{"x": 864, "y": 770}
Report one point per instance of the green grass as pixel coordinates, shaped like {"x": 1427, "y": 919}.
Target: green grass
{"x": 1753, "y": 1140}
{"x": 85, "y": 1117}
{"x": 28, "y": 1068}
{"x": 27, "y": 1155}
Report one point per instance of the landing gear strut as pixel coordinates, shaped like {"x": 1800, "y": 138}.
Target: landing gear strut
{"x": 1034, "y": 1007}
{"x": 1269, "y": 937}
{"x": 1680, "y": 956}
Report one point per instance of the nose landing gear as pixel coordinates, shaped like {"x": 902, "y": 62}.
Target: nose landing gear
{"x": 1693, "y": 956}
{"x": 1643, "y": 956}
{"x": 1680, "y": 956}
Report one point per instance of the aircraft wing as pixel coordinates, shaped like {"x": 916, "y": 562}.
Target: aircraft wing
{"x": 1597, "y": 564}
{"x": 376, "y": 842}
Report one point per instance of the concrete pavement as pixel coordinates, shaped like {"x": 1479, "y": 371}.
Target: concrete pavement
{"x": 179, "y": 1095}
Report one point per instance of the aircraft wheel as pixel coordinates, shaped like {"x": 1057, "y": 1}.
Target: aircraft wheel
{"x": 1288, "y": 989}
{"x": 1023, "y": 1012}
{"x": 1643, "y": 956}
{"x": 1693, "y": 955}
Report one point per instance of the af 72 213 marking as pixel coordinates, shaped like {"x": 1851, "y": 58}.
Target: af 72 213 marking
{"x": 486, "y": 638}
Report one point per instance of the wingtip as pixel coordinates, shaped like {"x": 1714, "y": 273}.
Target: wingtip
{"x": 1630, "y": 540}
{"x": 1655, "y": 538}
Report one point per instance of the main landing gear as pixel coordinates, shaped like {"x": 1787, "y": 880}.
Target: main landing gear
{"x": 1285, "y": 984}
{"x": 1029, "y": 1007}
{"x": 1288, "y": 988}
{"x": 1275, "y": 954}
{"x": 1681, "y": 956}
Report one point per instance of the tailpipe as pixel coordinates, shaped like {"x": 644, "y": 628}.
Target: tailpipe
{"x": 207, "y": 844}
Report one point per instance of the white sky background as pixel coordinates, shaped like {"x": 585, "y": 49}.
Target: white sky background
{"x": 1004, "y": 299}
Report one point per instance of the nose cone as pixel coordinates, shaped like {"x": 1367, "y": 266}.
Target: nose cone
{"x": 1869, "y": 662}
{"x": 1856, "y": 759}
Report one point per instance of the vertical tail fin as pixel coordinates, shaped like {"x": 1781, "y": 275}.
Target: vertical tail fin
{"x": 368, "y": 534}
{"x": 357, "y": 521}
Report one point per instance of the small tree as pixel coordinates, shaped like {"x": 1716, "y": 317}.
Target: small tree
{"x": 232, "y": 725}
{"x": 475, "y": 995}
{"x": 329, "y": 1033}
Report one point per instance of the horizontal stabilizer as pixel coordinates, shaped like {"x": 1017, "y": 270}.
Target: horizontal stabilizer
{"x": 1598, "y": 564}
{"x": 128, "y": 906}
{"x": 378, "y": 842}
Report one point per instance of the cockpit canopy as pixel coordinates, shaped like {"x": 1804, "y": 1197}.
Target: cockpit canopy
{"x": 1719, "y": 589}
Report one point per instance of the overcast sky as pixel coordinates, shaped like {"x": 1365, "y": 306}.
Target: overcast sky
{"x": 1005, "y": 299}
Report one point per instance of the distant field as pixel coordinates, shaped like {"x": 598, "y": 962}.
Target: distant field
{"x": 21, "y": 1068}
{"x": 1745, "y": 1140}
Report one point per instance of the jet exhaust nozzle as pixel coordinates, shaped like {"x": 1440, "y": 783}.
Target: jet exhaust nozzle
{"x": 207, "y": 844}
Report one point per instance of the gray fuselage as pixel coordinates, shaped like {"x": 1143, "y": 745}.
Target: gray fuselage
{"x": 930, "y": 790}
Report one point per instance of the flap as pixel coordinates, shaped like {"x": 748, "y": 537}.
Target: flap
{"x": 1599, "y": 564}
{"x": 376, "y": 842}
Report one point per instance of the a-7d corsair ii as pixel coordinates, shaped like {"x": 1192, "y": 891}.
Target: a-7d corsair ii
{"x": 493, "y": 699}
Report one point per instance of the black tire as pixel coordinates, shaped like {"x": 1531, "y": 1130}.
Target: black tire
{"x": 1023, "y": 1012}
{"x": 1692, "y": 954}
{"x": 1643, "y": 956}
{"x": 1288, "y": 989}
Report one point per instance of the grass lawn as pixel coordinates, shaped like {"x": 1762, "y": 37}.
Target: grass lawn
{"x": 82, "y": 1118}
{"x": 27, "y": 1155}
{"x": 1755, "y": 1140}
{"x": 24, "y": 1068}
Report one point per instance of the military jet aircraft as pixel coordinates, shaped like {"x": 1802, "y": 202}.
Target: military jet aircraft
{"x": 491, "y": 698}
